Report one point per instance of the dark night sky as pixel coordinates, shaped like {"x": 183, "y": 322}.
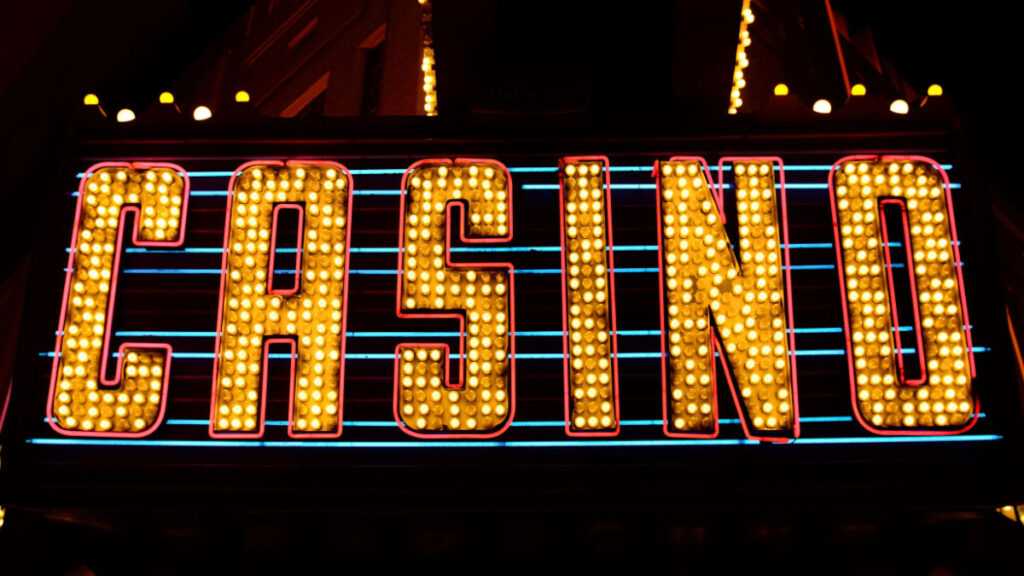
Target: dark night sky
{"x": 966, "y": 48}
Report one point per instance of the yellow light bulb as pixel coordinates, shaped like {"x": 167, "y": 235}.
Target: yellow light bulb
{"x": 899, "y": 106}
{"x": 201, "y": 113}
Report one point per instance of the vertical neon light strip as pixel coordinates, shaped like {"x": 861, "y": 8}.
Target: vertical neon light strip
{"x": 427, "y": 59}
{"x": 82, "y": 402}
{"x": 588, "y": 298}
{"x": 885, "y": 401}
{"x": 429, "y": 404}
{"x": 309, "y": 315}
{"x": 739, "y": 81}
{"x": 748, "y": 301}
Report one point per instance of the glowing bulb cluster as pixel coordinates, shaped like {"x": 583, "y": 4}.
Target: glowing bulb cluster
{"x": 429, "y": 81}
{"x": 590, "y": 364}
{"x": 80, "y": 400}
{"x": 427, "y": 62}
{"x": 738, "y": 79}
{"x": 703, "y": 282}
{"x": 481, "y": 296}
{"x": 311, "y": 314}
{"x": 886, "y": 402}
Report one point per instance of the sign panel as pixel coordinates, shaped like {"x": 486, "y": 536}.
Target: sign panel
{"x": 660, "y": 305}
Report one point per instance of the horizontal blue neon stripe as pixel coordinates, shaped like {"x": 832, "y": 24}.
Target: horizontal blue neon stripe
{"x": 498, "y": 444}
{"x": 515, "y": 424}
{"x": 842, "y": 352}
{"x": 224, "y": 193}
{"x": 900, "y": 439}
{"x": 807, "y": 167}
{"x": 778, "y": 186}
{"x": 458, "y": 249}
{"x": 534, "y": 423}
{"x": 646, "y": 168}
{"x": 393, "y": 192}
{"x": 533, "y": 355}
{"x": 524, "y": 169}
{"x": 392, "y": 272}
{"x": 396, "y": 444}
{"x": 446, "y": 334}
{"x": 523, "y": 424}
{"x": 371, "y": 171}
{"x": 228, "y": 174}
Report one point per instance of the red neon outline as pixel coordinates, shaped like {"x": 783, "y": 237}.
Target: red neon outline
{"x": 7, "y": 404}
{"x": 112, "y": 297}
{"x": 717, "y": 193}
{"x": 448, "y": 384}
{"x": 298, "y": 249}
{"x": 262, "y": 419}
{"x": 839, "y": 46}
{"x": 901, "y": 203}
{"x": 846, "y": 313}
{"x": 610, "y": 250}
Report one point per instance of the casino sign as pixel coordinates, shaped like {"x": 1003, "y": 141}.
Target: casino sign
{"x": 718, "y": 302}
{"x": 248, "y": 304}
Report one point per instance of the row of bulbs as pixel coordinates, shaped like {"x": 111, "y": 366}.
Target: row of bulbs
{"x": 199, "y": 113}
{"x": 823, "y": 106}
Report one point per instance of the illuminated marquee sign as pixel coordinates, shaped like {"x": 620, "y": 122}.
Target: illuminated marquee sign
{"x": 723, "y": 285}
